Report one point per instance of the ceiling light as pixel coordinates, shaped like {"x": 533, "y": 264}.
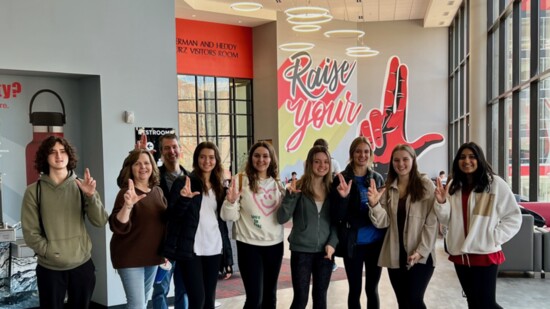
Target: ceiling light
{"x": 306, "y": 28}
{"x": 361, "y": 51}
{"x": 345, "y": 33}
{"x": 310, "y": 20}
{"x": 246, "y": 6}
{"x": 305, "y": 11}
{"x": 296, "y": 46}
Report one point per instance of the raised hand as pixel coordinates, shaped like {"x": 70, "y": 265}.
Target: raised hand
{"x": 343, "y": 188}
{"x": 292, "y": 187}
{"x": 130, "y": 197}
{"x": 186, "y": 190}
{"x": 87, "y": 185}
{"x": 385, "y": 127}
{"x": 440, "y": 191}
{"x": 329, "y": 250}
{"x": 233, "y": 193}
{"x": 142, "y": 144}
{"x": 373, "y": 194}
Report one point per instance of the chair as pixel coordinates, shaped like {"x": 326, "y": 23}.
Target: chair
{"x": 523, "y": 252}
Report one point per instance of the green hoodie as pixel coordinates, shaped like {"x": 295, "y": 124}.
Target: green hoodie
{"x": 66, "y": 243}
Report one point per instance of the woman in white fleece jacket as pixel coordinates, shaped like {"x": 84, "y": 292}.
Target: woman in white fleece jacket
{"x": 481, "y": 214}
{"x": 252, "y": 203}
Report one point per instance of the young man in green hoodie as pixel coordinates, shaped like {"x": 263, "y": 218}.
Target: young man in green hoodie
{"x": 52, "y": 216}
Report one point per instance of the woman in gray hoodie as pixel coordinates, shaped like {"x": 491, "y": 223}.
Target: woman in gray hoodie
{"x": 313, "y": 238}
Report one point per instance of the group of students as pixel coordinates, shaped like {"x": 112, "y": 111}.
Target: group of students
{"x": 371, "y": 222}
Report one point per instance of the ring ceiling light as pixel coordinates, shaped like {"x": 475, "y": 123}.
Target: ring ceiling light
{"x": 361, "y": 51}
{"x": 305, "y": 11}
{"x": 345, "y": 33}
{"x": 246, "y": 6}
{"x": 309, "y": 20}
{"x": 297, "y": 46}
{"x": 306, "y": 28}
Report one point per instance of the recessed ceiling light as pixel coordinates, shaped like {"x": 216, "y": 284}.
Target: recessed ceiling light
{"x": 450, "y": 3}
{"x": 445, "y": 13}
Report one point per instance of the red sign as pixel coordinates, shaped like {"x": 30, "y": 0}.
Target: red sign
{"x": 212, "y": 49}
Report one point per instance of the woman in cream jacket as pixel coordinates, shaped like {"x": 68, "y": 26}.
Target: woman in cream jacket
{"x": 405, "y": 206}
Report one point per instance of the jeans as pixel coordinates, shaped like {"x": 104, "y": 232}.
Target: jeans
{"x": 138, "y": 285}
{"x": 161, "y": 290}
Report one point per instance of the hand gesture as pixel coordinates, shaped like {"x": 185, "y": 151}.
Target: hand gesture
{"x": 292, "y": 187}
{"x": 440, "y": 191}
{"x": 143, "y": 144}
{"x": 373, "y": 194}
{"x": 130, "y": 197}
{"x": 88, "y": 184}
{"x": 186, "y": 190}
{"x": 343, "y": 188}
{"x": 233, "y": 193}
{"x": 385, "y": 127}
{"x": 329, "y": 250}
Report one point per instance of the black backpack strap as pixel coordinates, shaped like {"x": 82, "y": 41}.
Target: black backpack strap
{"x": 38, "y": 202}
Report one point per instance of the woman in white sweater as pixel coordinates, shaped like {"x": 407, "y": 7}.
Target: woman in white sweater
{"x": 252, "y": 203}
{"x": 481, "y": 214}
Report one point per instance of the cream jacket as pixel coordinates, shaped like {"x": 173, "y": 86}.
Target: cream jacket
{"x": 494, "y": 218}
{"x": 420, "y": 225}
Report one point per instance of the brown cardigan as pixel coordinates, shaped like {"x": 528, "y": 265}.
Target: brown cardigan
{"x": 137, "y": 243}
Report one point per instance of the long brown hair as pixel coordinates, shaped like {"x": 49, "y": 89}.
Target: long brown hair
{"x": 305, "y": 184}
{"x": 415, "y": 187}
{"x": 216, "y": 176}
{"x": 354, "y": 144}
{"x": 272, "y": 170}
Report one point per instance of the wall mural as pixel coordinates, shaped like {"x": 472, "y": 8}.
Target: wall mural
{"x": 315, "y": 97}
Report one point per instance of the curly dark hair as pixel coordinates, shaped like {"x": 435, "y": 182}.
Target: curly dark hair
{"x": 132, "y": 158}
{"x": 41, "y": 161}
{"x": 481, "y": 178}
{"x": 272, "y": 170}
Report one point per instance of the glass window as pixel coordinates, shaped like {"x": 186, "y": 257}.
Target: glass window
{"x": 495, "y": 137}
{"x": 210, "y": 114}
{"x": 524, "y": 141}
{"x": 508, "y": 52}
{"x": 508, "y": 138}
{"x": 544, "y": 140}
{"x": 495, "y": 58}
{"x": 525, "y": 45}
{"x": 544, "y": 42}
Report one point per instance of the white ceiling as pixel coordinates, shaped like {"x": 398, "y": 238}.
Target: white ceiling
{"x": 433, "y": 13}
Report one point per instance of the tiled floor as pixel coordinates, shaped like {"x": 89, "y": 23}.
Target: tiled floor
{"x": 443, "y": 292}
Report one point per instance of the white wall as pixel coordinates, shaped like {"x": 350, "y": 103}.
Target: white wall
{"x": 130, "y": 45}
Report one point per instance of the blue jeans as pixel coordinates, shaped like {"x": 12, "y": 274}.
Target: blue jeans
{"x": 138, "y": 285}
{"x": 161, "y": 290}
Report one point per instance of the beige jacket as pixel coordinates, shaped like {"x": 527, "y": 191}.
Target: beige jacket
{"x": 420, "y": 225}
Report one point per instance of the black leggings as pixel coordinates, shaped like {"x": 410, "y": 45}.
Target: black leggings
{"x": 78, "y": 283}
{"x": 479, "y": 284}
{"x": 364, "y": 255}
{"x": 260, "y": 267}
{"x": 410, "y": 285}
{"x": 303, "y": 266}
{"x": 200, "y": 277}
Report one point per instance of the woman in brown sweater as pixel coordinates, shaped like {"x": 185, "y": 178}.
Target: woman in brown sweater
{"x": 138, "y": 228}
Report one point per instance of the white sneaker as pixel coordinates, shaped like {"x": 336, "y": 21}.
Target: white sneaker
{"x": 217, "y": 304}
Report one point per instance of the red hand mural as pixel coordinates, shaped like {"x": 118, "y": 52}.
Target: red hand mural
{"x": 386, "y": 127}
